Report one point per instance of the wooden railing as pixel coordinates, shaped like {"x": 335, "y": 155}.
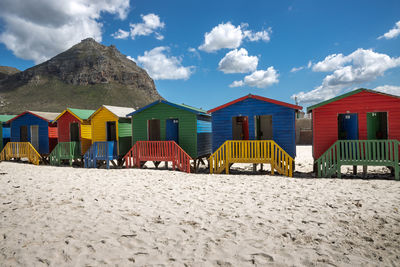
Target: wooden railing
{"x": 100, "y": 151}
{"x": 251, "y": 151}
{"x": 20, "y": 150}
{"x": 158, "y": 151}
{"x": 65, "y": 151}
{"x": 358, "y": 152}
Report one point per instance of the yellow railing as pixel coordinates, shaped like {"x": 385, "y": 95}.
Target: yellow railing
{"x": 251, "y": 151}
{"x": 20, "y": 150}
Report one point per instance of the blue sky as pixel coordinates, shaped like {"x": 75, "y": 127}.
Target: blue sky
{"x": 278, "y": 49}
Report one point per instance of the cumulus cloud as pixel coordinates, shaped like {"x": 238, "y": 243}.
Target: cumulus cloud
{"x": 294, "y": 69}
{"x": 161, "y": 66}
{"x": 259, "y": 79}
{"x": 363, "y": 65}
{"x": 226, "y": 35}
{"x": 32, "y": 34}
{"x": 389, "y": 89}
{"x": 121, "y": 34}
{"x": 151, "y": 24}
{"x": 392, "y": 33}
{"x": 238, "y": 61}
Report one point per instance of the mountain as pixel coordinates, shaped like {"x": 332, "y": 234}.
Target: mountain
{"x": 86, "y": 76}
{"x": 7, "y": 71}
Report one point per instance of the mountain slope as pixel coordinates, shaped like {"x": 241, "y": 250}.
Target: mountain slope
{"x": 85, "y": 76}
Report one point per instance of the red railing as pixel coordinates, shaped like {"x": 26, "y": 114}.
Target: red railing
{"x": 144, "y": 151}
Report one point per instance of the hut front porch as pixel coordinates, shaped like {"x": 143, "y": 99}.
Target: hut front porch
{"x": 359, "y": 153}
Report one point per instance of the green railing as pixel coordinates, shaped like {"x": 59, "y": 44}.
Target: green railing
{"x": 65, "y": 151}
{"x": 359, "y": 152}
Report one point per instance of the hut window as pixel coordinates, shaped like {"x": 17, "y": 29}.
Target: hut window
{"x": 263, "y": 127}
{"x": 111, "y": 131}
{"x": 23, "y": 134}
{"x": 377, "y": 125}
{"x": 153, "y": 130}
{"x": 74, "y": 132}
{"x": 240, "y": 128}
{"x": 348, "y": 126}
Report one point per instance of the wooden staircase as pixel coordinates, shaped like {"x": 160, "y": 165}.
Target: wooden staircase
{"x": 359, "y": 152}
{"x": 252, "y": 151}
{"x": 20, "y": 150}
{"x": 104, "y": 151}
{"x": 158, "y": 151}
{"x": 65, "y": 151}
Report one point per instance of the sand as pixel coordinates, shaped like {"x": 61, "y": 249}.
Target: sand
{"x": 62, "y": 216}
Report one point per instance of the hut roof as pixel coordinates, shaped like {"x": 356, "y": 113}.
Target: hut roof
{"x": 258, "y": 98}
{"x": 4, "y": 118}
{"x": 82, "y": 114}
{"x": 120, "y": 112}
{"x": 47, "y": 116}
{"x": 309, "y": 109}
{"x": 197, "y": 111}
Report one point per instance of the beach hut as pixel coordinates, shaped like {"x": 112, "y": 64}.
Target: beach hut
{"x": 33, "y": 135}
{"x": 254, "y": 129}
{"x": 163, "y": 121}
{"x": 5, "y": 132}
{"x": 111, "y": 135}
{"x": 361, "y": 127}
{"x": 74, "y": 135}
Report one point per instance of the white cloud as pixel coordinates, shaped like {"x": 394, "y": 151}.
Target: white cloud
{"x": 32, "y": 34}
{"x": 392, "y": 33}
{"x": 194, "y": 52}
{"x": 237, "y": 84}
{"x": 331, "y": 63}
{"x": 294, "y": 69}
{"x": 389, "y": 89}
{"x": 238, "y": 61}
{"x": 226, "y": 35}
{"x": 151, "y": 23}
{"x": 363, "y": 65}
{"x": 163, "y": 67}
{"x": 259, "y": 79}
{"x": 120, "y": 34}
{"x": 256, "y": 36}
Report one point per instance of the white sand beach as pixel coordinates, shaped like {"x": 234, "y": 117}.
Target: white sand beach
{"x": 62, "y": 216}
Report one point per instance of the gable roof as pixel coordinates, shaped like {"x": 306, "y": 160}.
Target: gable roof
{"x": 265, "y": 99}
{"x": 309, "y": 109}
{"x": 194, "y": 110}
{"x": 120, "y": 112}
{"x": 47, "y": 116}
{"x": 4, "y": 118}
{"x": 81, "y": 114}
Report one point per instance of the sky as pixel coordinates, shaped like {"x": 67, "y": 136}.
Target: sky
{"x": 206, "y": 53}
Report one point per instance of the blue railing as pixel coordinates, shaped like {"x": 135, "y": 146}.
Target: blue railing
{"x": 100, "y": 151}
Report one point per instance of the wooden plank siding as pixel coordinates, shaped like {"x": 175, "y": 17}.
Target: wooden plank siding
{"x": 283, "y": 122}
{"x": 85, "y": 132}
{"x": 162, "y": 111}
{"x": 204, "y": 135}
{"x": 27, "y": 120}
{"x": 99, "y": 125}
{"x": 325, "y": 118}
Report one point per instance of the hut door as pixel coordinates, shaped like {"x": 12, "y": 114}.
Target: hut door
{"x": 377, "y": 125}
{"x": 153, "y": 130}
{"x": 74, "y": 132}
{"x": 240, "y": 128}
{"x": 35, "y": 136}
{"x": 111, "y": 131}
{"x": 264, "y": 127}
{"x": 172, "y": 130}
{"x": 23, "y": 134}
{"x": 348, "y": 126}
